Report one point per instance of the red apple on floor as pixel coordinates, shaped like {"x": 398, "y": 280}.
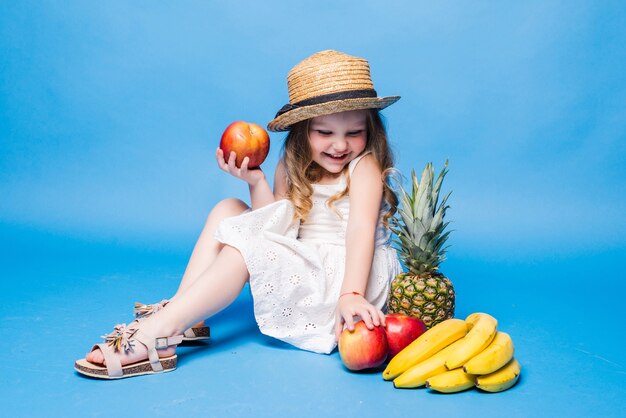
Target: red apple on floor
{"x": 401, "y": 331}
{"x": 363, "y": 348}
{"x": 247, "y": 140}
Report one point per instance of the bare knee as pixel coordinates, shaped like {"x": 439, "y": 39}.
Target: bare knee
{"x": 227, "y": 208}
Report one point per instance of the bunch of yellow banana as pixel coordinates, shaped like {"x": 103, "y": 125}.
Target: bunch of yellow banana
{"x": 456, "y": 355}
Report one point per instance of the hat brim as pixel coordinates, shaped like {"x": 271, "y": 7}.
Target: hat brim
{"x": 284, "y": 121}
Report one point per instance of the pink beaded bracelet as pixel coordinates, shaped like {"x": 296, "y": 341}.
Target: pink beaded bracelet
{"x": 350, "y": 293}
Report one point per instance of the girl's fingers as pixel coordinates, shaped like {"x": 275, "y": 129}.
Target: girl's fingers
{"x": 245, "y": 162}
{"x": 219, "y": 156}
{"x": 369, "y": 314}
{"x": 349, "y": 321}
{"x": 376, "y": 319}
{"x": 372, "y": 316}
{"x": 383, "y": 318}
{"x": 231, "y": 160}
{"x": 366, "y": 316}
{"x": 244, "y": 166}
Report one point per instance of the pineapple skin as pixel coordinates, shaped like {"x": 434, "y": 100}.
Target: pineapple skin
{"x": 429, "y": 297}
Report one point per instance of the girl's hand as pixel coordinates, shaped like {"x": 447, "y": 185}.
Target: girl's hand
{"x": 252, "y": 177}
{"x": 352, "y": 305}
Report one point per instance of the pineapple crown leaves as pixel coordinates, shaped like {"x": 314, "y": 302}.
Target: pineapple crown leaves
{"x": 419, "y": 222}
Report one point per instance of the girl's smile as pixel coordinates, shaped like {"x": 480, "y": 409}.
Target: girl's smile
{"x": 337, "y": 139}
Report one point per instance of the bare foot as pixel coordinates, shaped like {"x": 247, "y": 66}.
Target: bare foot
{"x": 134, "y": 353}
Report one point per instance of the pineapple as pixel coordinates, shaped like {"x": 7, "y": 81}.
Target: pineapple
{"x": 419, "y": 225}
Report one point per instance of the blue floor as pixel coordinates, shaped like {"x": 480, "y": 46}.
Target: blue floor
{"x": 565, "y": 316}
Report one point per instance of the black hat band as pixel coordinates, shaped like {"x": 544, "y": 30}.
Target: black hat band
{"x": 331, "y": 97}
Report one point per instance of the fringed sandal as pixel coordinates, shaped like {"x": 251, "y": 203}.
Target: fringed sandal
{"x": 124, "y": 338}
{"x": 191, "y": 334}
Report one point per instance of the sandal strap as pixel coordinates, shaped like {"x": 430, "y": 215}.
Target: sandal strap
{"x": 153, "y": 344}
{"x": 113, "y": 364}
{"x": 142, "y": 310}
{"x": 122, "y": 338}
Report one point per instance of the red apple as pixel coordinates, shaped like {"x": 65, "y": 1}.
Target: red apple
{"x": 247, "y": 140}
{"x": 401, "y": 331}
{"x": 363, "y": 348}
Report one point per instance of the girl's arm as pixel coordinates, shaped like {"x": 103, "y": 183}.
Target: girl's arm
{"x": 260, "y": 191}
{"x": 366, "y": 193}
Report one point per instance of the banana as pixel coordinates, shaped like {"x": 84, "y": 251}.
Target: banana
{"x": 482, "y": 330}
{"x": 417, "y": 375}
{"x": 501, "y": 379}
{"x": 451, "y": 381}
{"x": 427, "y": 344}
{"x": 472, "y": 318}
{"x": 496, "y": 355}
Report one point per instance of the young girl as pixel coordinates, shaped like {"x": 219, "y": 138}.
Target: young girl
{"x": 315, "y": 250}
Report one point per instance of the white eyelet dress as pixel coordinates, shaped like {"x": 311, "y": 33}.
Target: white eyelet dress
{"x": 296, "y": 270}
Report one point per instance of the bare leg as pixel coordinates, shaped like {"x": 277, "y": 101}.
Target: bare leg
{"x": 214, "y": 290}
{"x": 207, "y": 248}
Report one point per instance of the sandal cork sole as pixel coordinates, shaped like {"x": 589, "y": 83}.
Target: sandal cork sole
{"x": 200, "y": 333}
{"x": 86, "y": 368}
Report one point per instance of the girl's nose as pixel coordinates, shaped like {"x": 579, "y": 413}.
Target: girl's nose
{"x": 340, "y": 144}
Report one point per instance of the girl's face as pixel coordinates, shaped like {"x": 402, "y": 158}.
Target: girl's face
{"x": 337, "y": 139}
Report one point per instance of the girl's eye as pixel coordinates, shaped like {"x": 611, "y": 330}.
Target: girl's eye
{"x": 355, "y": 133}
{"x": 324, "y": 133}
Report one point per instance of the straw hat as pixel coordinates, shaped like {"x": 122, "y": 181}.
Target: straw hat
{"x": 328, "y": 82}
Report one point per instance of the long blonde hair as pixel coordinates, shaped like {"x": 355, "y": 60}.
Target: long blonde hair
{"x": 302, "y": 171}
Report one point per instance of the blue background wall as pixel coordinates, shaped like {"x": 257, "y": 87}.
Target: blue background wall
{"x": 110, "y": 113}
